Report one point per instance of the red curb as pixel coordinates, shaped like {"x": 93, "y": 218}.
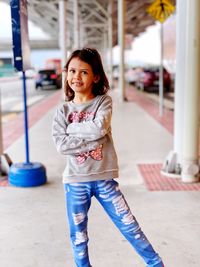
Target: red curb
{"x": 8, "y": 79}
{"x": 154, "y": 181}
{"x": 167, "y": 120}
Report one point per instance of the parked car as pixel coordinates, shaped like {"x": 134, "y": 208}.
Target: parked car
{"x": 148, "y": 80}
{"x": 132, "y": 75}
{"x": 48, "y": 78}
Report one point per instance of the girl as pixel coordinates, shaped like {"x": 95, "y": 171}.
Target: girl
{"x": 82, "y": 132}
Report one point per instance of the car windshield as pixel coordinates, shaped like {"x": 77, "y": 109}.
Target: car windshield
{"x": 47, "y": 71}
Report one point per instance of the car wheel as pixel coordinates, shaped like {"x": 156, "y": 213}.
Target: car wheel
{"x": 167, "y": 88}
{"x": 58, "y": 86}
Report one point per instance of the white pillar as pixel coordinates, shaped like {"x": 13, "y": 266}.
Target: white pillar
{"x": 110, "y": 42}
{"x": 105, "y": 45}
{"x": 63, "y": 31}
{"x": 180, "y": 78}
{"x": 82, "y": 29}
{"x": 190, "y": 167}
{"x": 161, "y": 106}
{"x": 173, "y": 161}
{"x": 76, "y": 25}
{"x": 121, "y": 35}
{"x": 1, "y": 133}
{"x": 63, "y": 37}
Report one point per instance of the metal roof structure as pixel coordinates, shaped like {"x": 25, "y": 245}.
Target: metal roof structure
{"x": 93, "y": 18}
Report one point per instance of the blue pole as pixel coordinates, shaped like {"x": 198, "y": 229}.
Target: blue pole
{"x": 27, "y": 174}
{"x": 25, "y": 118}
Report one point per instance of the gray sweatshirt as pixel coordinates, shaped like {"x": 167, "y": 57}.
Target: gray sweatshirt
{"x": 82, "y": 132}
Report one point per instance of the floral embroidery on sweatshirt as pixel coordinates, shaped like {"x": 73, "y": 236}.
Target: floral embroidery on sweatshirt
{"x": 94, "y": 154}
{"x": 80, "y": 116}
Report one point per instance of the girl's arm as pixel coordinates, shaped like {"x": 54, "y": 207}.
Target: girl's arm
{"x": 96, "y": 128}
{"x": 67, "y": 144}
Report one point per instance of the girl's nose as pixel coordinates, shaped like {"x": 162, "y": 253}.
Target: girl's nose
{"x": 77, "y": 75}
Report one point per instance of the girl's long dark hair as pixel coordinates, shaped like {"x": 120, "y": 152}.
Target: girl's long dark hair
{"x": 91, "y": 57}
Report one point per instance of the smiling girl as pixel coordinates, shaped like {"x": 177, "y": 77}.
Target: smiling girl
{"x": 82, "y": 132}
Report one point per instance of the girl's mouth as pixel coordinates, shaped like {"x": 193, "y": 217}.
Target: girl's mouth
{"x": 77, "y": 83}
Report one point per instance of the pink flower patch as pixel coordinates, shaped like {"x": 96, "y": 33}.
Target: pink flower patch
{"x": 94, "y": 154}
{"x": 79, "y": 117}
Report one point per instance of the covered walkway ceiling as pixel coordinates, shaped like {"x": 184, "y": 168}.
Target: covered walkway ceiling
{"x": 93, "y": 18}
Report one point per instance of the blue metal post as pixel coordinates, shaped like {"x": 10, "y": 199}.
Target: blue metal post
{"x": 24, "y": 174}
{"x": 25, "y": 119}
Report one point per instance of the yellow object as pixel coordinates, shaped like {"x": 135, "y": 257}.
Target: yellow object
{"x": 161, "y": 9}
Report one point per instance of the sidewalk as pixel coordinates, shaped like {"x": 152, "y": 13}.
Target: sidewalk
{"x": 34, "y": 232}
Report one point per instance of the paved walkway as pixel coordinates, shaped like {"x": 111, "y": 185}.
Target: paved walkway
{"x": 34, "y": 232}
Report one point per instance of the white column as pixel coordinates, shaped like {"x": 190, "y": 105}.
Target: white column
{"x": 110, "y": 42}
{"x": 190, "y": 167}
{"x": 105, "y": 49}
{"x": 76, "y": 25}
{"x": 161, "y": 106}
{"x": 174, "y": 159}
{"x": 1, "y": 133}
{"x": 82, "y": 29}
{"x": 63, "y": 36}
{"x": 180, "y": 78}
{"x": 63, "y": 31}
{"x": 121, "y": 36}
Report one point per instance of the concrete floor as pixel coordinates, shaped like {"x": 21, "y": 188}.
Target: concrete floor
{"x": 34, "y": 231}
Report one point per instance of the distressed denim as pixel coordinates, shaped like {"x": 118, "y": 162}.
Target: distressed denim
{"x": 78, "y": 201}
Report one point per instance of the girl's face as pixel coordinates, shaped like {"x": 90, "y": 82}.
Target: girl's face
{"x": 80, "y": 77}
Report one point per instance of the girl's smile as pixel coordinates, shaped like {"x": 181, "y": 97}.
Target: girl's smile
{"x": 81, "y": 78}
{"x": 77, "y": 84}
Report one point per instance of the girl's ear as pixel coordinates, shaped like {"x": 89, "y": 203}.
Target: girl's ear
{"x": 96, "y": 78}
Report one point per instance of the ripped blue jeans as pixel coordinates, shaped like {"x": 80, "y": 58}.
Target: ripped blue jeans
{"x": 78, "y": 199}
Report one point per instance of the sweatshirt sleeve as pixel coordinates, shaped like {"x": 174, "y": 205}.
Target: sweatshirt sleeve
{"x": 67, "y": 144}
{"x": 96, "y": 128}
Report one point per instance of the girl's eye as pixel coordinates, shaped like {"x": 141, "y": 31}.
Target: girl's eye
{"x": 72, "y": 71}
{"x": 84, "y": 72}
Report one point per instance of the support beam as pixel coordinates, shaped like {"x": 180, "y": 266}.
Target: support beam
{"x": 102, "y": 9}
{"x": 94, "y": 14}
{"x": 95, "y": 25}
{"x": 161, "y": 104}
{"x": 121, "y": 37}
{"x": 63, "y": 31}
{"x": 105, "y": 49}
{"x": 190, "y": 170}
{"x": 179, "y": 81}
{"x": 110, "y": 42}
{"x": 76, "y": 25}
{"x": 173, "y": 162}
